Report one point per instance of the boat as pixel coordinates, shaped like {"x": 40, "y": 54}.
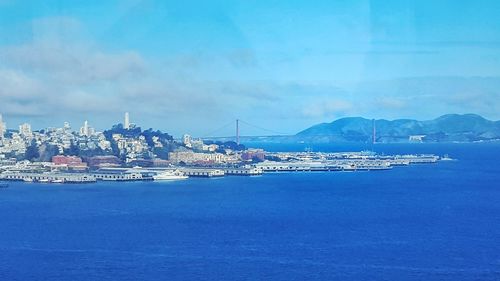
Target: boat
{"x": 28, "y": 180}
{"x": 58, "y": 181}
{"x": 446, "y": 158}
{"x": 170, "y": 175}
{"x": 43, "y": 181}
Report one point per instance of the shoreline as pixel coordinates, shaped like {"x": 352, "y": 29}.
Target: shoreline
{"x": 282, "y": 162}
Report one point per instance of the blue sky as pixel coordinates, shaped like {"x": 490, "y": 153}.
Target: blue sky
{"x": 193, "y": 66}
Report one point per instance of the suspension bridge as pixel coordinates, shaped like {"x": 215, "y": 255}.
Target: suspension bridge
{"x": 239, "y": 126}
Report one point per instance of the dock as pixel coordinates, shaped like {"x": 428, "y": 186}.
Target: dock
{"x": 329, "y": 166}
{"x": 48, "y": 177}
{"x": 203, "y": 172}
{"x": 243, "y": 171}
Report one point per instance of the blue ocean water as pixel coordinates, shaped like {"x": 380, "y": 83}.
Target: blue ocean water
{"x": 423, "y": 222}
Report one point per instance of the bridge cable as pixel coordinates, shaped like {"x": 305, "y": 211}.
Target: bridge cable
{"x": 216, "y": 130}
{"x": 262, "y": 129}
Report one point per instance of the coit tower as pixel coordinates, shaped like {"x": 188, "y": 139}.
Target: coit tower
{"x": 126, "y": 125}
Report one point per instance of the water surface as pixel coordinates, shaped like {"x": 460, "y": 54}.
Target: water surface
{"x": 423, "y": 222}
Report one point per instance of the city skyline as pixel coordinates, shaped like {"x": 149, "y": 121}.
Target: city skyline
{"x": 228, "y": 140}
{"x": 195, "y": 66}
{"x": 234, "y": 126}
{"x": 86, "y": 129}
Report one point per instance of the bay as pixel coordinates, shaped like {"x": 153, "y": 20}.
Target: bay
{"x": 422, "y": 222}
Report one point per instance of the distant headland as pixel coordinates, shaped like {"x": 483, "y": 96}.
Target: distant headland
{"x": 447, "y": 128}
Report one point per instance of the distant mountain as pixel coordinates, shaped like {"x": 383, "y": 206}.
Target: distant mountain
{"x": 447, "y": 128}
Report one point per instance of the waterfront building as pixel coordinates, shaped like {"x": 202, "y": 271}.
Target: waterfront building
{"x": 66, "y": 160}
{"x": 103, "y": 161}
{"x": 71, "y": 162}
{"x": 157, "y": 162}
{"x": 253, "y": 154}
{"x": 140, "y": 162}
{"x": 416, "y": 138}
{"x": 194, "y": 157}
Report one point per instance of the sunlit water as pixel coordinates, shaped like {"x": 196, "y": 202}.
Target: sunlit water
{"x": 423, "y": 222}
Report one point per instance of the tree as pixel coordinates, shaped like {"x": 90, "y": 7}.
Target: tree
{"x": 47, "y": 151}
{"x": 73, "y": 150}
{"x": 161, "y": 152}
{"x": 32, "y": 152}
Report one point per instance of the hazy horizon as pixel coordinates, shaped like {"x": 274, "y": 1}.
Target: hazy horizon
{"x": 284, "y": 66}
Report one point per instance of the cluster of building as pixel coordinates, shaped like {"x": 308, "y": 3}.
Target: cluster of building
{"x": 134, "y": 148}
{"x": 15, "y": 143}
{"x": 198, "y": 144}
{"x": 127, "y": 153}
{"x": 87, "y": 148}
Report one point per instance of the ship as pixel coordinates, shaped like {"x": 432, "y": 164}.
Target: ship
{"x": 170, "y": 175}
{"x": 446, "y": 158}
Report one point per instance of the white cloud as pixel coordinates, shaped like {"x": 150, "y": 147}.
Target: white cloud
{"x": 71, "y": 63}
{"x": 390, "y": 103}
{"x": 327, "y": 108}
{"x": 63, "y": 74}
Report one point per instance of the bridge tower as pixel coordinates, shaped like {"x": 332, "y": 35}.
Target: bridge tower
{"x": 374, "y": 133}
{"x": 237, "y": 131}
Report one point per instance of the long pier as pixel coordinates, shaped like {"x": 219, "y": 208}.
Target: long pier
{"x": 294, "y": 162}
{"x": 203, "y": 172}
{"x": 48, "y": 177}
{"x": 338, "y": 165}
{"x": 244, "y": 171}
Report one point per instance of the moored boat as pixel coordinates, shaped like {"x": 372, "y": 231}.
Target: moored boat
{"x": 170, "y": 175}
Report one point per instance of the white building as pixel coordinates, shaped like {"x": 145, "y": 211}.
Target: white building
{"x": 191, "y": 157}
{"x": 67, "y": 127}
{"x": 197, "y": 144}
{"x": 126, "y": 124}
{"x": 210, "y": 147}
{"x": 25, "y": 130}
{"x": 86, "y": 130}
{"x": 3, "y": 127}
{"x": 416, "y": 138}
{"x": 186, "y": 140}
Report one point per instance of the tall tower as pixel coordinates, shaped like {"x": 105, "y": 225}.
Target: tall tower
{"x": 126, "y": 124}
{"x": 237, "y": 132}
{"x": 3, "y": 127}
{"x": 374, "y": 133}
{"x": 86, "y": 128}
